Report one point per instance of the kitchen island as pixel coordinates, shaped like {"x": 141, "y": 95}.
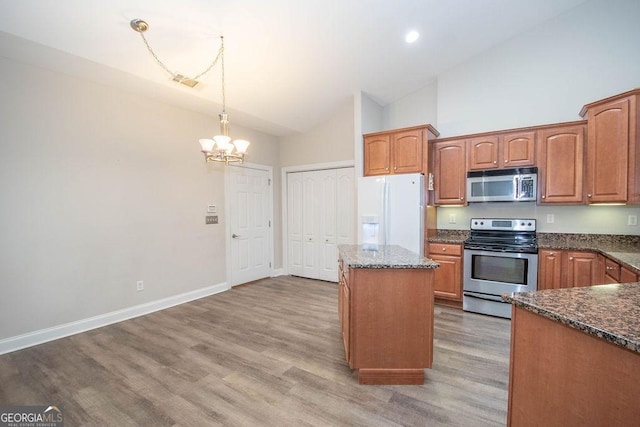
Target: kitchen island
{"x": 385, "y": 305}
{"x": 575, "y": 356}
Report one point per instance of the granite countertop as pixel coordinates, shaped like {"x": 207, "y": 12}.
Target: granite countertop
{"x": 448, "y": 236}
{"x": 610, "y": 312}
{"x": 391, "y": 256}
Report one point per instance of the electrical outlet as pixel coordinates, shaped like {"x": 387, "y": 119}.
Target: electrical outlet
{"x": 211, "y": 219}
{"x": 633, "y": 220}
{"x": 452, "y": 218}
{"x": 212, "y": 209}
{"x": 550, "y": 218}
{"x": 139, "y": 285}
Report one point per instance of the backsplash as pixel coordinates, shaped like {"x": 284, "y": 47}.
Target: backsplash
{"x": 566, "y": 219}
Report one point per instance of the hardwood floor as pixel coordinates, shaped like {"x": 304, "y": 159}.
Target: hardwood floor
{"x": 266, "y": 354}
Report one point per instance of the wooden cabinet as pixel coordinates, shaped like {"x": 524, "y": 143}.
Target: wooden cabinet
{"x": 447, "y": 280}
{"x": 449, "y": 170}
{"x": 566, "y": 269}
{"x": 509, "y": 150}
{"x": 561, "y": 164}
{"x": 397, "y": 151}
{"x": 612, "y": 272}
{"x": 612, "y": 171}
{"x": 549, "y": 269}
{"x": 581, "y": 269}
{"x": 386, "y": 317}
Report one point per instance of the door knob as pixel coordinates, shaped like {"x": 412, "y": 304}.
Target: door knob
{"x": 234, "y": 235}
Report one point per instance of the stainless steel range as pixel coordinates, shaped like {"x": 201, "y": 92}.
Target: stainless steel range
{"x": 500, "y": 256}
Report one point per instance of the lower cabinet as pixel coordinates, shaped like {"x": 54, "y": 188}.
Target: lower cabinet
{"x": 568, "y": 269}
{"x": 447, "y": 280}
{"x": 386, "y": 317}
{"x": 612, "y": 272}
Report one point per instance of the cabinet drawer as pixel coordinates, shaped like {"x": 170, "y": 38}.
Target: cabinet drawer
{"x": 445, "y": 249}
{"x": 612, "y": 269}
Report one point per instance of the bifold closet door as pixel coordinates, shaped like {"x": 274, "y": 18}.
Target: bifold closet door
{"x": 320, "y": 216}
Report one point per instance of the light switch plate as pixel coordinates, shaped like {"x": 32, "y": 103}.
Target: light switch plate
{"x": 633, "y": 220}
{"x": 212, "y": 209}
{"x": 211, "y": 219}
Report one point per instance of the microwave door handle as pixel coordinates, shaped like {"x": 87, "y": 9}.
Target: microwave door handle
{"x": 517, "y": 187}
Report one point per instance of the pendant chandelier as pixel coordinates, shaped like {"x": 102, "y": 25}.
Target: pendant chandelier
{"x": 220, "y": 148}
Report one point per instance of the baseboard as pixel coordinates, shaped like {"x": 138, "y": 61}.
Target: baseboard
{"x": 277, "y": 272}
{"x": 30, "y": 339}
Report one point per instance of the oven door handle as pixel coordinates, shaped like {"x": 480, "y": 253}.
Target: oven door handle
{"x": 486, "y": 297}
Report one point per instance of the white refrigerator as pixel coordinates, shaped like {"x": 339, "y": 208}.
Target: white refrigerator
{"x": 391, "y": 211}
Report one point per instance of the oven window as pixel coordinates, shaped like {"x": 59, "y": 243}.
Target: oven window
{"x": 499, "y": 269}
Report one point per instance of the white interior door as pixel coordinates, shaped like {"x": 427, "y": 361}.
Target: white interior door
{"x": 250, "y": 224}
{"x": 310, "y": 226}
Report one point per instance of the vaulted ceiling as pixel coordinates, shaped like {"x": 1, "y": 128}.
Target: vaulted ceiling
{"x": 289, "y": 63}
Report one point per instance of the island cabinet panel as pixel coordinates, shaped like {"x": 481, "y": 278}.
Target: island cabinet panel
{"x": 627, "y": 276}
{"x": 561, "y": 165}
{"x": 386, "y": 316}
{"x": 450, "y": 173}
{"x": 560, "y": 376}
{"x": 447, "y": 280}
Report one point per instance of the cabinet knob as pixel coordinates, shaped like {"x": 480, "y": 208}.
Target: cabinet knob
{"x": 506, "y": 161}
{"x": 588, "y": 195}
{"x": 462, "y": 198}
{"x": 570, "y": 258}
{"x": 544, "y": 197}
{"x": 609, "y": 268}
{"x": 495, "y": 162}
{"x": 386, "y": 169}
{"x": 552, "y": 254}
{"x": 444, "y": 249}
{"x": 395, "y": 168}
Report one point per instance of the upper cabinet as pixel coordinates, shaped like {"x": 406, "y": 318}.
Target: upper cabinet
{"x": 613, "y": 152}
{"x": 561, "y": 164}
{"x": 397, "y": 151}
{"x": 509, "y": 150}
{"x": 449, "y": 172}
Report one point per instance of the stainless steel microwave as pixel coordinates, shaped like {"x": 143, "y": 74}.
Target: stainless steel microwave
{"x": 502, "y": 185}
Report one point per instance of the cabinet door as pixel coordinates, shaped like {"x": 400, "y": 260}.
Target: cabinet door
{"x": 561, "y": 165}
{"x": 377, "y": 155}
{"x": 448, "y": 278}
{"x": 518, "y": 149}
{"x": 549, "y": 269}
{"x": 581, "y": 269}
{"x": 407, "y": 151}
{"x": 483, "y": 153}
{"x": 449, "y": 172}
{"x": 627, "y": 276}
{"x": 607, "y": 152}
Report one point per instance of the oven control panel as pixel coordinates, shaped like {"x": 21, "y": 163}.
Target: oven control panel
{"x": 505, "y": 224}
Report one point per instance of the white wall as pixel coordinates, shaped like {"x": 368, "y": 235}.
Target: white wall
{"x": 547, "y": 74}
{"x": 101, "y": 188}
{"x": 331, "y": 141}
{"x": 415, "y": 109}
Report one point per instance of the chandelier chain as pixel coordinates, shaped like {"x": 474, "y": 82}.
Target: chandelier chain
{"x": 206, "y": 70}
{"x": 221, "y": 56}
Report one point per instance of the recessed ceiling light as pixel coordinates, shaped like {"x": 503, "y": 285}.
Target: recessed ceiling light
{"x": 412, "y": 36}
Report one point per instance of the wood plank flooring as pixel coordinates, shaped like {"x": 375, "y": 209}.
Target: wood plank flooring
{"x": 267, "y": 354}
